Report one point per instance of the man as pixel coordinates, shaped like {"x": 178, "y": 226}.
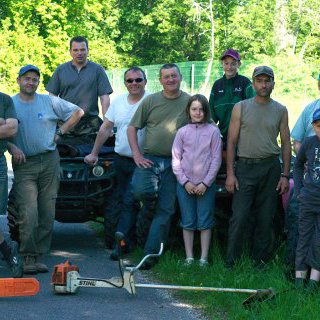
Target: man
{"x": 119, "y": 115}
{"x": 8, "y": 128}
{"x": 36, "y": 164}
{"x": 256, "y": 179}
{"x": 301, "y": 130}
{"x": 227, "y": 91}
{"x": 81, "y": 82}
{"x": 154, "y": 183}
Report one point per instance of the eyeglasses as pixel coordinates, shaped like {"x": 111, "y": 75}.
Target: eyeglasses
{"x": 137, "y": 80}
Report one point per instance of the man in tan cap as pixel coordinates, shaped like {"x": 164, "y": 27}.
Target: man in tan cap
{"x": 255, "y": 179}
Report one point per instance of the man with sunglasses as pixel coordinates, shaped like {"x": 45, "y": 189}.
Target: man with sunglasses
{"x": 119, "y": 115}
{"x": 153, "y": 181}
{"x": 82, "y": 82}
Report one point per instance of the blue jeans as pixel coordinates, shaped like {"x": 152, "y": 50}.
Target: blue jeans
{"x": 125, "y": 167}
{"x": 3, "y": 185}
{"x": 156, "y": 187}
{"x": 196, "y": 211}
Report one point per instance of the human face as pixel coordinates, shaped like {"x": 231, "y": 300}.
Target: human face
{"x": 230, "y": 66}
{"x": 79, "y": 53}
{"x": 263, "y": 85}
{"x": 135, "y": 88}
{"x": 196, "y": 112}
{"x": 316, "y": 128}
{"x": 29, "y": 83}
{"x": 170, "y": 80}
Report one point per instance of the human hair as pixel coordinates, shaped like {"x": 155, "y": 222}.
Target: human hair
{"x": 135, "y": 69}
{"x": 79, "y": 39}
{"x": 169, "y": 66}
{"x": 205, "y": 106}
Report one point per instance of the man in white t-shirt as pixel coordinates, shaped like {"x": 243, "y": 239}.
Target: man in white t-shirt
{"x": 119, "y": 115}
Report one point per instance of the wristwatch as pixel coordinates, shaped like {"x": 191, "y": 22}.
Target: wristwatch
{"x": 285, "y": 176}
{"x": 59, "y": 132}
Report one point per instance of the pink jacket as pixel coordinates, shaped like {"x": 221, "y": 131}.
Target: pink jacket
{"x": 196, "y": 153}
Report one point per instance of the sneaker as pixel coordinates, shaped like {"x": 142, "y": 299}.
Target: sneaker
{"x": 15, "y": 261}
{"x": 188, "y": 262}
{"x": 41, "y": 267}
{"x": 203, "y": 263}
{"x": 29, "y": 265}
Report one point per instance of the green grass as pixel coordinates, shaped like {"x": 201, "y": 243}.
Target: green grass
{"x": 287, "y": 304}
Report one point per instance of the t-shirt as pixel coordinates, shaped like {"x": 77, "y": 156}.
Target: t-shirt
{"x": 120, "y": 113}
{"x": 225, "y": 93}
{"x": 161, "y": 117}
{"x": 6, "y": 112}
{"x": 81, "y": 88}
{"x": 307, "y": 181}
{"x": 38, "y": 121}
{"x": 259, "y": 128}
{"x": 303, "y": 127}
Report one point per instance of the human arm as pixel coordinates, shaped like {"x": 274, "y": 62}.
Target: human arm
{"x": 233, "y": 136}
{"x": 296, "y": 146}
{"x": 105, "y": 103}
{"x": 211, "y": 105}
{"x": 138, "y": 157}
{"x": 72, "y": 121}
{"x": 17, "y": 154}
{"x": 8, "y": 127}
{"x": 283, "y": 184}
{"x": 104, "y": 133}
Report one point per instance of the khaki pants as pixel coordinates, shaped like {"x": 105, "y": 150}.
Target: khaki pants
{"x": 35, "y": 187}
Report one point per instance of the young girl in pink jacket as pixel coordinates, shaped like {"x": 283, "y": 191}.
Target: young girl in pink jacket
{"x": 196, "y": 159}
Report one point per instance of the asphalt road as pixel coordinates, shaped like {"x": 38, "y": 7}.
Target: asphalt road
{"x": 79, "y": 244}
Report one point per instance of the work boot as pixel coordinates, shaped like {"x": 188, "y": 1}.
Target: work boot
{"x": 312, "y": 287}
{"x": 299, "y": 283}
{"x": 29, "y": 265}
{"x": 41, "y": 267}
{"x": 15, "y": 261}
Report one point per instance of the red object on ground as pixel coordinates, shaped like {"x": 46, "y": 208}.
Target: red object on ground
{"x": 18, "y": 287}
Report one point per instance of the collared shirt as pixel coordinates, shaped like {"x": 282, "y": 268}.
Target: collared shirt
{"x": 81, "y": 88}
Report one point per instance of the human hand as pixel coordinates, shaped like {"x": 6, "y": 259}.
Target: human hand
{"x": 190, "y": 187}
{"x": 17, "y": 154}
{"x": 142, "y": 162}
{"x": 283, "y": 185}
{"x": 232, "y": 183}
{"x": 200, "y": 189}
{"x": 91, "y": 159}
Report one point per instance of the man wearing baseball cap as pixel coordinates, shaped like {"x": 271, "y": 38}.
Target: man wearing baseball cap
{"x": 255, "y": 179}
{"x": 35, "y": 162}
{"x": 227, "y": 91}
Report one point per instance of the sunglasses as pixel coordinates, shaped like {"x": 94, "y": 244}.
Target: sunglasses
{"x": 137, "y": 80}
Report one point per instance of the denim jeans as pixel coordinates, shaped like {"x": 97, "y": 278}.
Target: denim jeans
{"x": 196, "y": 211}
{"x": 125, "y": 167}
{"x": 35, "y": 187}
{"x": 3, "y": 185}
{"x": 156, "y": 186}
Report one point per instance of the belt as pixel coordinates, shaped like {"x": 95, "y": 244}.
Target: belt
{"x": 125, "y": 157}
{"x": 257, "y": 160}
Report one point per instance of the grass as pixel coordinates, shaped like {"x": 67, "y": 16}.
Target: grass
{"x": 287, "y": 304}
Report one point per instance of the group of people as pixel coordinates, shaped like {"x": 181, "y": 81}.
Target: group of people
{"x": 168, "y": 145}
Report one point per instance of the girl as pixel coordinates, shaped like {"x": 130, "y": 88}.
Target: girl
{"x": 196, "y": 159}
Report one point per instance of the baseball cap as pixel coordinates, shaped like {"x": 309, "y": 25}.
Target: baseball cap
{"x": 231, "y": 53}
{"x": 263, "y": 70}
{"x": 316, "y": 115}
{"x": 27, "y": 68}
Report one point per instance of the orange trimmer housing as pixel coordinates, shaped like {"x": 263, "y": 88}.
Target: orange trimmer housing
{"x": 60, "y": 271}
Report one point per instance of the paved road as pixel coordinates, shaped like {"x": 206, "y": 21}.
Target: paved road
{"x": 79, "y": 243}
